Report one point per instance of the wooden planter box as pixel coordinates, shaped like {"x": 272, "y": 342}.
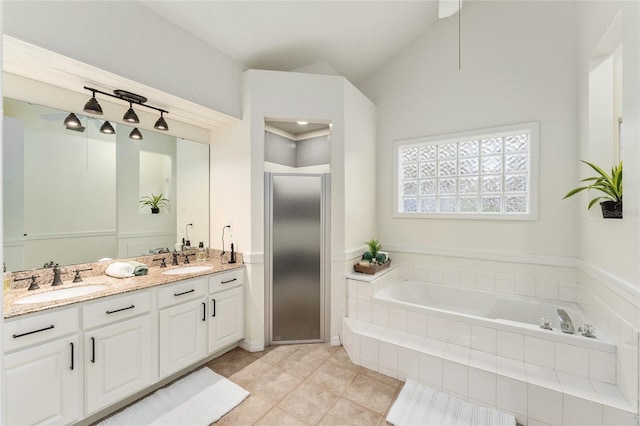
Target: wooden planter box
{"x": 371, "y": 270}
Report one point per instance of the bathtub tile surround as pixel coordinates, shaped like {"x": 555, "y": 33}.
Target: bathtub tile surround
{"x": 511, "y": 395}
{"x": 484, "y": 339}
{"x": 602, "y": 366}
{"x": 613, "y": 313}
{"x": 611, "y": 307}
{"x": 541, "y": 378}
{"x": 539, "y": 352}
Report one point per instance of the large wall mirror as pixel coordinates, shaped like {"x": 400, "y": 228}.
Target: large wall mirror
{"x": 72, "y": 196}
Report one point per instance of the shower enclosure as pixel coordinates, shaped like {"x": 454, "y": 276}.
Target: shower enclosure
{"x": 296, "y": 241}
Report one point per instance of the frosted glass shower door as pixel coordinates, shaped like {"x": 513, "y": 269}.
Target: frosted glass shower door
{"x": 296, "y": 251}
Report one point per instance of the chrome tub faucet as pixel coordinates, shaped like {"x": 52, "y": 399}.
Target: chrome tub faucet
{"x": 566, "y": 325}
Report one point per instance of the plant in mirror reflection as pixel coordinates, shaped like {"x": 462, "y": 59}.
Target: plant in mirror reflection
{"x": 154, "y": 201}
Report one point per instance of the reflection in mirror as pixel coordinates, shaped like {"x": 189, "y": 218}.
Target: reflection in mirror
{"x": 60, "y": 187}
{"x": 72, "y": 196}
{"x": 155, "y": 176}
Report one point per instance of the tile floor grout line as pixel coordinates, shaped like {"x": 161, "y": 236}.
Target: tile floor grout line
{"x": 304, "y": 380}
{"x": 325, "y": 357}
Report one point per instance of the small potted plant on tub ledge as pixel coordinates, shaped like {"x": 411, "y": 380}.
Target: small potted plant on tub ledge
{"x": 154, "y": 201}
{"x": 373, "y": 260}
{"x": 609, "y": 185}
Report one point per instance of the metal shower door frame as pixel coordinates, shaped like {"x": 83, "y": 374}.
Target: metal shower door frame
{"x": 325, "y": 268}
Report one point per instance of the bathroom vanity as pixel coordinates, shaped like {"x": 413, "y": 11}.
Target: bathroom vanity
{"x": 65, "y": 361}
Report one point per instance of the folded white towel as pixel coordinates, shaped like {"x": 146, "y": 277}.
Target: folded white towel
{"x": 120, "y": 270}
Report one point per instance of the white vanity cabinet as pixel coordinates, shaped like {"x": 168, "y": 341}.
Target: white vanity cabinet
{"x": 43, "y": 383}
{"x": 118, "y": 350}
{"x": 226, "y": 309}
{"x": 182, "y": 325}
{"x": 63, "y": 365}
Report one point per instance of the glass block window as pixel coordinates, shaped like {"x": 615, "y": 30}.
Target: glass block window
{"x": 487, "y": 173}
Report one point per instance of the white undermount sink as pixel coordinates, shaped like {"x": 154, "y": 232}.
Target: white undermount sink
{"x": 65, "y": 293}
{"x": 187, "y": 270}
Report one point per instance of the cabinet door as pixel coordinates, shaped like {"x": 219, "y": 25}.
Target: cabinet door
{"x": 227, "y": 318}
{"x": 183, "y": 333}
{"x": 43, "y": 385}
{"x": 118, "y": 361}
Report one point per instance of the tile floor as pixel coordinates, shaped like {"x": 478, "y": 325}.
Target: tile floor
{"x": 313, "y": 384}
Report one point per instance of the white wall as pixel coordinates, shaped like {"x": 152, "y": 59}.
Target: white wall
{"x": 97, "y": 33}
{"x": 517, "y": 66}
{"x": 360, "y": 160}
{"x": 522, "y": 61}
{"x": 238, "y": 152}
{"x": 597, "y": 234}
{"x": 609, "y": 249}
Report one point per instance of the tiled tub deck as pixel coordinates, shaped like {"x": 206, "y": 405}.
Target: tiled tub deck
{"x": 541, "y": 379}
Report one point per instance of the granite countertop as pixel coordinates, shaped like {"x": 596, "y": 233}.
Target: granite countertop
{"x": 115, "y": 286}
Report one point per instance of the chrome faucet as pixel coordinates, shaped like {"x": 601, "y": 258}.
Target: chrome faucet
{"x": 565, "y": 322}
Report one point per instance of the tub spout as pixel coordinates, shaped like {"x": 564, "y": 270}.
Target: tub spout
{"x": 565, "y": 322}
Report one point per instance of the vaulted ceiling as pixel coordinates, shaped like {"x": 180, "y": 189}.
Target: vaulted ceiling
{"x": 352, "y": 38}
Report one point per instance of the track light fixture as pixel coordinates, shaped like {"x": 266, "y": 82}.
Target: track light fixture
{"x": 93, "y": 106}
{"x": 130, "y": 116}
{"x": 107, "y": 128}
{"x": 161, "y": 123}
{"x": 72, "y": 121}
{"x": 135, "y": 134}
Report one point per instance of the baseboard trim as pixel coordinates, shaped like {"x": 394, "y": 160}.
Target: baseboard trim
{"x": 252, "y": 345}
{"x": 345, "y": 256}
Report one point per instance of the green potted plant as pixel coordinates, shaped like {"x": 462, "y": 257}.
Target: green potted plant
{"x": 373, "y": 260}
{"x": 154, "y": 201}
{"x": 374, "y": 251}
{"x": 609, "y": 185}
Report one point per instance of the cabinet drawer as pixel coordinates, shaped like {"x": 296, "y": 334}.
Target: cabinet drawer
{"x": 116, "y": 309}
{"x": 225, "y": 280}
{"x": 38, "y": 328}
{"x": 181, "y": 291}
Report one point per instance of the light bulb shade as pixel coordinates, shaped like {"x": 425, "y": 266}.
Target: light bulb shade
{"x": 107, "y": 128}
{"x": 135, "y": 134}
{"x": 72, "y": 121}
{"x": 92, "y": 106}
{"x": 161, "y": 124}
{"x": 130, "y": 116}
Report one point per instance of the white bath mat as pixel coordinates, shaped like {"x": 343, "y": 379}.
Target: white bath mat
{"x": 200, "y": 399}
{"x": 420, "y": 404}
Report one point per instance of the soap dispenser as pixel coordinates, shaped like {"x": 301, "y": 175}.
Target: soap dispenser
{"x": 201, "y": 252}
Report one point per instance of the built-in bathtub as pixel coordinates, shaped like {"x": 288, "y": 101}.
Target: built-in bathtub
{"x": 485, "y": 347}
{"x": 516, "y": 314}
